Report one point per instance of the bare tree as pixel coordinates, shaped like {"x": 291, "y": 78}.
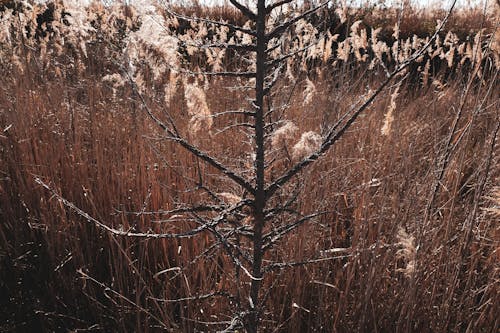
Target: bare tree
{"x": 249, "y": 224}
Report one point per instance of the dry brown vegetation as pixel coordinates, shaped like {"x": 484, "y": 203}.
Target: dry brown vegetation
{"x": 410, "y": 241}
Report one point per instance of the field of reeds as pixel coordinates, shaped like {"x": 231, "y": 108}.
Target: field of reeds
{"x": 407, "y": 236}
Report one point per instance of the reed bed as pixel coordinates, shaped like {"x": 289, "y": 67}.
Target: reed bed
{"x": 412, "y": 189}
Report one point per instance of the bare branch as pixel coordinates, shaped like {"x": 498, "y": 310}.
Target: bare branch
{"x": 237, "y": 125}
{"x": 245, "y": 10}
{"x": 325, "y": 146}
{"x": 193, "y": 298}
{"x": 227, "y": 46}
{"x": 199, "y": 208}
{"x": 228, "y": 74}
{"x": 274, "y": 80}
{"x": 223, "y": 239}
{"x": 274, "y": 47}
{"x": 210, "y": 160}
{"x": 270, "y": 8}
{"x": 229, "y": 247}
{"x": 122, "y": 297}
{"x": 273, "y": 62}
{"x": 149, "y": 235}
{"x": 235, "y": 324}
{"x": 283, "y": 265}
{"x": 222, "y": 24}
{"x": 274, "y": 236}
{"x": 286, "y": 207}
{"x": 236, "y": 112}
{"x": 282, "y": 28}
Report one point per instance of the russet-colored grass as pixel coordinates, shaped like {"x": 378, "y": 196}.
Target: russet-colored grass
{"x": 95, "y": 146}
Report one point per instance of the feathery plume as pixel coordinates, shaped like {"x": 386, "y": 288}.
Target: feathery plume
{"x": 407, "y": 252}
{"x": 344, "y": 50}
{"x": 196, "y": 100}
{"x": 389, "y": 117}
{"x": 426, "y": 72}
{"x": 342, "y": 11}
{"x": 494, "y": 198}
{"x": 229, "y": 198}
{"x": 309, "y": 142}
{"x": 309, "y": 92}
{"x": 283, "y": 134}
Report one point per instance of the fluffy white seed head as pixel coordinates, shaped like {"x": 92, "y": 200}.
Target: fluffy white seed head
{"x": 309, "y": 142}
{"x": 407, "y": 252}
{"x": 283, "y": 134}
{"x": 389, "y": 115}
{"x": 309, "y": 92}
{"x": 197, "y": 107}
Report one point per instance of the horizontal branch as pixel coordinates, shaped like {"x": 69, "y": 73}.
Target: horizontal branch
{"x": 193, "y": 298}
{"x": 245, "y": 125}
{"x": 227, "y": 46}
{"x": 273, "y": 62}
{"x": 235, "y": 112}
{"x": 222, "y": 24}
{"x": 227, "y": 74}
{"x": 199, "y": 208}
{"x": 283, "y": 265}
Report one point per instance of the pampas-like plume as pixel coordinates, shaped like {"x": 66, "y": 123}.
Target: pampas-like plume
{"x": 283, "y": 134}
{"x": 229, "y": 198}
{"x": 494, "y": 197}
{"x": 152, "y": 34}
{"x": 327, "y": 50}
{"x": 344, "y": 50}
{"x": 406, "y": 252}
{"x": 425, "y": 74}
{"x": 342, "y": 11}
{"x": 309, "y": 92}
{"x": 5, "y": 21}
{"x": 115, "y": 80}
{"x": 201, "y": 117}
{"x": 378, "y": 47}
{"x": 359, "y": 41}
{"x": 389, "y": 117}
{"x": 79, "y": 28}
{"x": 309, "y": 142}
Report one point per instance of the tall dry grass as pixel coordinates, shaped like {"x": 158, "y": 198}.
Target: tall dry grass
{"x": 410, "y": 257}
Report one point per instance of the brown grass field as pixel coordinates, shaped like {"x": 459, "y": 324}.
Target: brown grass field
{"x": 411, "y": 235}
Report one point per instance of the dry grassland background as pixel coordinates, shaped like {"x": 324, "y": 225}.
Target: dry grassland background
{"x": 409, "y": 241}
